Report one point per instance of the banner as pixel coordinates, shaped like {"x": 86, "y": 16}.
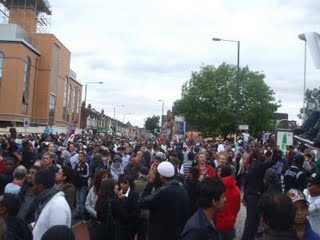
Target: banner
{"x": 313, "y": 42}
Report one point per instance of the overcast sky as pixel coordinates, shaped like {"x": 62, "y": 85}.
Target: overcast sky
{"x": 144, "y": 50}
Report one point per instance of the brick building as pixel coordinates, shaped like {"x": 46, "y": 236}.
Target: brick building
{"x": 35, "y": 76}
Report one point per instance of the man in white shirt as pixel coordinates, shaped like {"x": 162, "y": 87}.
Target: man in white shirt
{"x": 53, "y": 208}
{"x": 74, "y": 156}
{"x": 313, "y": 197}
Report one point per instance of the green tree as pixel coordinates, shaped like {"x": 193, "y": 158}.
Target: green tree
{"x": 152, "y": 123}
{"x": 209, "y": 100}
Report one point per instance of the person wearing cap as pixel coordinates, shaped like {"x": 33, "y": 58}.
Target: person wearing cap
{"x": 312, "y": 193}
{"x": 168, "y": 205}
{"x": 294, "y": 178}
{"x": 302, "y": 226}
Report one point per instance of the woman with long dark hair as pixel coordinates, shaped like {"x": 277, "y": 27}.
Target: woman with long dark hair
{"x": 91, "y": 200}
{"x": 108, "y": 211}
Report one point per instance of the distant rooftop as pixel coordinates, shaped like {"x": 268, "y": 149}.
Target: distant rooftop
{"x": 37, "y": 5}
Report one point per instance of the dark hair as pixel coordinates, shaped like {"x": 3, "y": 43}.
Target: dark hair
{"x": 60, "y": 232}
{"x": 210, "y": 188}
{"x": 157, "y": 158}
{"x": 277, "y": 211}
{"x": 127, "y": 179}
{"x": 97, "y": 179}
{"x": 37, "y": 168}
{"x": 12, "y": 204}
{"x": 68, "y": 173}
{"x": 44, "y": 177}
{"x": 191, "y": 156}
{"x": 194, "y": 171}
{"x": 106, "y": 193}
{"x": 226, "y": 171}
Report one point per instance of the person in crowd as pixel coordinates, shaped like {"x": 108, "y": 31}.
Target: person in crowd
{"x": 312, "y": 193}
{"x": 7, "y": 176}
{"x": 160, "y": 225}
{"x": 81, "y": 176}
{"x": 192, "y": 182}
{"x": 92, "y": 197}
{"x": 272, "y": 181}
{"x": 185, "y": 167}
{"x": 302, "y": 225}
{"x": 205, "y": 169}
{"x": 211, "y": 199}
{"x": 135, "y": 167}
{"x": 64, "y": 178}
{"x": 226, "y": 218}
{"x": 73, "y": 155}
{"x": 52, "y": 150}
{"x": 16, "y": 227}
{"x": 28, "y": 197}
{"x": 108, "y": 211}
{"x": 64, "y": 157}
{"x": 49, "y": 164}
{"x": 277, "y": 215}
{"x": 294, "y": 178}
{"x": 146, "y": 156}
{"x": 28, "y": 155}
{"x": 116, "y": 168}
{"x": 221, "y": 159}
{"x": 129, "y": 205}
{"x": 60, "y": 232}
{"x": 143, "y": 218}
{"x": 19, "y": 175}
{"x": 253, "y": 189}
{"x": 240, "y": 171}
{"x": 53, "y": 208}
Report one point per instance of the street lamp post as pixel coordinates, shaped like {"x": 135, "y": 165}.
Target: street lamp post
{"x": 238, "y": 75}
{"x": 162, "y": 108}
{"x": 303, "y": 38}
{"x": 114, "y": 110}
{"x": 84, "y": 118}
{"x": 85, "y": 91}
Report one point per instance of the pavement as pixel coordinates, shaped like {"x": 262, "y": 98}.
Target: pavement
{"x": 241, "y": 218}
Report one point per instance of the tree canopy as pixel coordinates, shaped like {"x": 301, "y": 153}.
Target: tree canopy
{"x": 209, "y": 100}
{"x": 152, "y": 123}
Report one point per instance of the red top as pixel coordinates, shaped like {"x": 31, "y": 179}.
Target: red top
{"x": 226, "y": 218}
{"x": 210, "y": 172}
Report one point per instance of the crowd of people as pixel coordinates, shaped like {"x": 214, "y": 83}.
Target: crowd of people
{"x": 126, "y": 188}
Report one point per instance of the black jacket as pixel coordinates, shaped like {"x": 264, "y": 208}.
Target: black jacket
{"x": 294, "y": 178}
{"x": 254, "y": 184}
{"x": 169, "y": 210}
{"x": 191, "y": 188}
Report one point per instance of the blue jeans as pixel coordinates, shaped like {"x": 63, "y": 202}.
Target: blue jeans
{"x": 81, "y": 197}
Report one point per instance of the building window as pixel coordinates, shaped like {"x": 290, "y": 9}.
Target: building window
{"x": 26, "y": 85}
{"x": 65, "y": 99}
{"x": 79, "y": 103}
{"x": 68, "y": 104}
{"x": 52, "y": 109}
{"x": 1, "y": 65}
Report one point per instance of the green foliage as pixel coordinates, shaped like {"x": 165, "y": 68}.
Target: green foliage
{"x": 209, "y": 100}
{"x": 152, "y": 123}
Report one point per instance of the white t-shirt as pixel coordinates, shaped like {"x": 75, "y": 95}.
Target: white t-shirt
{"x": 314, "y": 211}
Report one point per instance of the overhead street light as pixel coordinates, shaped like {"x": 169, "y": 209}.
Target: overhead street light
{"x": 162, "y": 108}
{"x": 303, "y": 38}
{"x": 85, "y": 91}
{"x": 114, "y": 110}
{"x": 238, "y": 72}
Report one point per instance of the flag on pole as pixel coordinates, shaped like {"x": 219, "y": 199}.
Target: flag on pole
{"x": 313, "y": 43}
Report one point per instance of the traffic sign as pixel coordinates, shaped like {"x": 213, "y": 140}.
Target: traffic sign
{"x": 26, "y": 122}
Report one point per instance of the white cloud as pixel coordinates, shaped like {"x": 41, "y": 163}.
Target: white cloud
{"x": 145, "y": 50}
